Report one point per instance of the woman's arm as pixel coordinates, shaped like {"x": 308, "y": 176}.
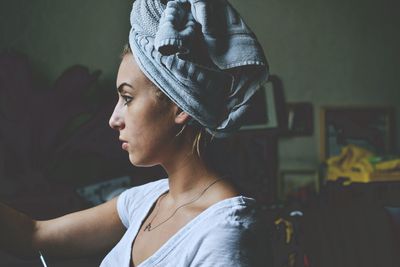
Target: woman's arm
{"x": 77, "y": 234}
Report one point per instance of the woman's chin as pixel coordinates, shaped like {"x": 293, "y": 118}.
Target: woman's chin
{"x": 138, "y": 162}
{"x": 133, "y": 160}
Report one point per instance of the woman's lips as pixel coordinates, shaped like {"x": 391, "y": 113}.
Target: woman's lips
{"x": 125, "y": 146}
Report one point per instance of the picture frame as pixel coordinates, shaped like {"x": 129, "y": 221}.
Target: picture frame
{"x": 300, "y": 118}
{"x": 371, "y": 128}
{"x": 265, "y": 111}
{"x": 292, "y": 181}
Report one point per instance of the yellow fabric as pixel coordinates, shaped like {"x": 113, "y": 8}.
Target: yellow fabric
{"x": 352, "y": 157}
{"x": 288, "y": 227}
{"x": 354, "y": 163}
{"x": 390, "y": 165}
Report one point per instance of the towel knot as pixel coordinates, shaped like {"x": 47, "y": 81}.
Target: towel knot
{"x": 202, "y": 55}
{"x": 176, "y": 29}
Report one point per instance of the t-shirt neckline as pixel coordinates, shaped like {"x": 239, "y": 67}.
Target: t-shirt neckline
{"x": 174, "y": 239}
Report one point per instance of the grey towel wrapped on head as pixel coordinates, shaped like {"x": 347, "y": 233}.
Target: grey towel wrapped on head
{"x": 202, "y": 55}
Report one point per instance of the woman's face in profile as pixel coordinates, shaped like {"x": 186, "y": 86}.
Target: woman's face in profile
{"x": 146, "y": 126}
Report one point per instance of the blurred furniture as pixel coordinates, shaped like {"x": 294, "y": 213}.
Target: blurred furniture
{"x": 350, "y": 227}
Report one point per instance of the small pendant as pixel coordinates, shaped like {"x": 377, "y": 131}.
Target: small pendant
{"x": 147, "y": 228}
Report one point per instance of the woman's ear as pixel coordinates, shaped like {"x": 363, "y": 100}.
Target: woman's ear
{"x": 181, "y": 117}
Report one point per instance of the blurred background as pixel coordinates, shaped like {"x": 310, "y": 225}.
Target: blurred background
{"x": 323, "y": 162}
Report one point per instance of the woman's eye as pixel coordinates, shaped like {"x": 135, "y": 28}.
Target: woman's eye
{"x": 126, "y": 99}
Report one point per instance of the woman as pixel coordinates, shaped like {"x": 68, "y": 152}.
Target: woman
{"x": 187, "y": 76}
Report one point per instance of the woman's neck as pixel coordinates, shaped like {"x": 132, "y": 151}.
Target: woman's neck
{"x": 187, "y": 176}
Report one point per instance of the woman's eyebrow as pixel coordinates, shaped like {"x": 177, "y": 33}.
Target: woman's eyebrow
{"x": 120, "y": 87}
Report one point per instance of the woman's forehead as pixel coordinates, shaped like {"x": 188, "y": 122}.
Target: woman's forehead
{"x": 130, "y": 73}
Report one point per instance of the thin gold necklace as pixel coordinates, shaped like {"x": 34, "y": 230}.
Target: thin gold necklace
{"x": 149, "y": 226}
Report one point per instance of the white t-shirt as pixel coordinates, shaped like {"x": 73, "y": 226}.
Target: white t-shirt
{"x": 224, "y": 235}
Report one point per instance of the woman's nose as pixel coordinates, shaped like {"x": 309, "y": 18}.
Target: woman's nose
{"x": 116, "y": 121}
